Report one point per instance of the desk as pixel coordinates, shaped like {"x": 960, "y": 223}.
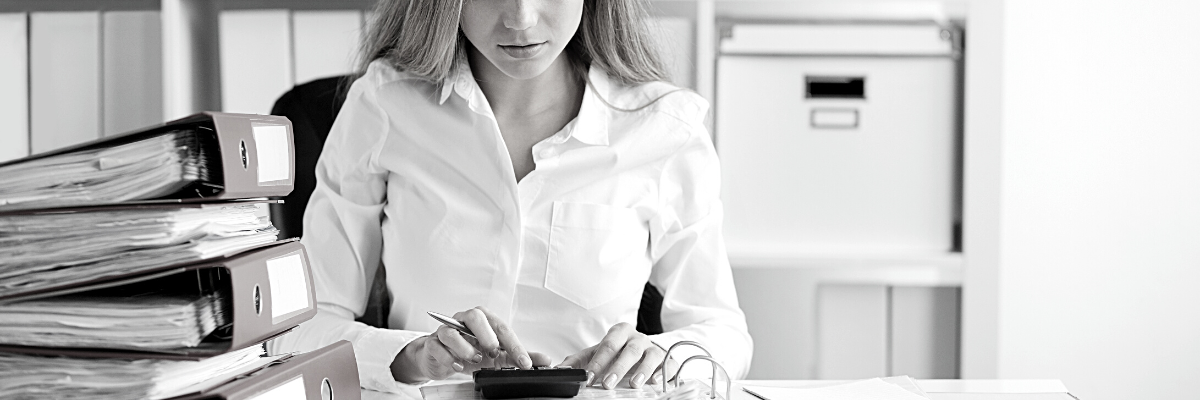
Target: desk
{"x": 938, "y": 389}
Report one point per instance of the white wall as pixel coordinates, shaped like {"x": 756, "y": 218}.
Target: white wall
{"x": 1099, "y": 230}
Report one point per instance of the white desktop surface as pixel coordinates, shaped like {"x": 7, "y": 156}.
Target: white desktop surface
{"x": 938, "y": 389}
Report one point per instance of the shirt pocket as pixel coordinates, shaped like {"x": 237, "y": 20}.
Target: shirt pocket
{"x": 596, "y": 253}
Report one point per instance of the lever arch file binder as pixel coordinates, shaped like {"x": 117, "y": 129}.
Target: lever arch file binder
{"x": 65, "y": 246}
{"x": 328, "y": 373}
{"x": 269, "y": 291}
{"x": 247, "y": 374}
{"x": 203, "y": 157}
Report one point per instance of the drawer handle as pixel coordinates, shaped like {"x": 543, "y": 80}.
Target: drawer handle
{"x": 834, "y": 118}
{"x": 835, "y": 87}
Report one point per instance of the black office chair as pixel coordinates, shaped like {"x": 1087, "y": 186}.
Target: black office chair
{"x": 312, "y": 108}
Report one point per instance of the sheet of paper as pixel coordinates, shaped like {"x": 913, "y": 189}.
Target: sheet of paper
{"x": 61, "y": 248}
{"x": 868, "y": 389}
{"x": 154, "y": 321}
{"x": 27, "y": 376}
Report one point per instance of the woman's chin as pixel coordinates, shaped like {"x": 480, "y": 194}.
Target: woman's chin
{"x": 522, "y": 69}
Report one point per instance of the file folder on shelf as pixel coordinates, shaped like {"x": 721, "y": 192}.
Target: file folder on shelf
{"x": 203, "y": 157}
{"x": 327, "y": 373}
{"x": 270, "y": 290}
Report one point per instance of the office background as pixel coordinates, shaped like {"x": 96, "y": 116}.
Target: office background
{"x": 1076, "y": 185}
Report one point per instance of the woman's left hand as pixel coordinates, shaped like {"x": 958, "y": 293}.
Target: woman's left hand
{"x": 623, "y": 352}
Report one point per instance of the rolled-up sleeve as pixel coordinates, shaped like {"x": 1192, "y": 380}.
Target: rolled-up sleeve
{"x": 344, "y": 241}
{"x": 691, "y": 265}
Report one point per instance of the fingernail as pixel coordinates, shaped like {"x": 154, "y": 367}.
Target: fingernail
{"x": 494, "y": 353}
{"x": 636, "y": 382}
{"x": 458, "y": 367}
{"x": 477, "y": 359}
{"x": 590, "y": 376}
{"x": 525, "y": 362}
{"x": 611, "y": 381}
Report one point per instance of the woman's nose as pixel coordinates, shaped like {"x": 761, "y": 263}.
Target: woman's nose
{"x": 520, "y": 15}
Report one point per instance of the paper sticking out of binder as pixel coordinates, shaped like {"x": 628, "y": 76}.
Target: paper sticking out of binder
{"x": 44, "y": 249}
{"x": 203, "y": 157}
{"x": 262, "y": 293}
{"x": 327, "y": 373}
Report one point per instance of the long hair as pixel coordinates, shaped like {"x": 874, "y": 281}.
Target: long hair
{"x": 422, "y": 37}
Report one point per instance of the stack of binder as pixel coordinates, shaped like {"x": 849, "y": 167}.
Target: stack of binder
{"x": 144, "y": 266}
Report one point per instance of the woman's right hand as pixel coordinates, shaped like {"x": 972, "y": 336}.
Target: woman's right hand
{"x": 446, "y": 351}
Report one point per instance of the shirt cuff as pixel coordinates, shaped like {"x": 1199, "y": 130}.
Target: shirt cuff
{"x": 375, "y": 350}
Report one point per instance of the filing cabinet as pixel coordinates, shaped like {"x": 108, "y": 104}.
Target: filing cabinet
{"x": 839, "y": 138}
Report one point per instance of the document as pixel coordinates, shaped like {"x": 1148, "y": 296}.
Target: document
{"x": 52, "y": 249}
{"x": 149, "y": 168}
{"x": 893, "y": 388}
{"x": 148, "y": 322}
{"x": 67, "y": 378}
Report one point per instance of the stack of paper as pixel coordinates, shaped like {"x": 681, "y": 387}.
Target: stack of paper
{"x": 149, "y": 168}
{"x": 38, "y": 250}
{"x": 68, "y": 378}
{"x": 152, "y": 322}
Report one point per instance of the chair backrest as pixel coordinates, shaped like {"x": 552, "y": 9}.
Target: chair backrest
{"x": 312, "y": 108}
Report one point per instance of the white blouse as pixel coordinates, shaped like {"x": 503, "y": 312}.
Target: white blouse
{"x": 415, "y": 176}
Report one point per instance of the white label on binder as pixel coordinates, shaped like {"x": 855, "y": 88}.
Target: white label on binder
{"x": 272, "y": 151}
{"x": 289, "y": 289}
{"x": 290, "y": 390}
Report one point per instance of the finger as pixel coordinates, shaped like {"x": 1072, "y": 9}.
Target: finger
{"x": 629, "y": 356}
{"x": 477, "y": 320}
{"x": 668, "y": 365}
{"x": 441, "y": 363}
{"x": 669, "y": 371}
{"x": 458, "y": 345}
{"x": 517, "y": 355}
{"x": 578, "y": 360}
{"x": 608, "y": 350}
{"x": 651, "y": 358}
{"x": 539, "y": 359}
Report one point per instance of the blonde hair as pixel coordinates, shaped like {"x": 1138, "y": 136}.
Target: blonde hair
{"x": 422, "y": 37}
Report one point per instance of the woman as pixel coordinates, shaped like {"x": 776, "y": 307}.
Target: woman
{"x": 521, "y": 162}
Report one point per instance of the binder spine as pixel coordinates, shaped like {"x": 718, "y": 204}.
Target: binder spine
{"x": 272, "y": 292}
{"x": 258, "y": 155}
{"x": 328, "y": 373}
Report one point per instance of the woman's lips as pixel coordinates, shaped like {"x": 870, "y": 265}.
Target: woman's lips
{"x": 526, "y": 51}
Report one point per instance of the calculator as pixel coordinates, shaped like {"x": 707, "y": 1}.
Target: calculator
{"x": 512, "y": 383}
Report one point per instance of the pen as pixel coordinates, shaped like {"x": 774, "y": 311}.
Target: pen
{"x": 759, "y": 396}
{"x": 453, "y": 324}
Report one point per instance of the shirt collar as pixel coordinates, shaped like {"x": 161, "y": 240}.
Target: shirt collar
{"x": 589, "y": 127}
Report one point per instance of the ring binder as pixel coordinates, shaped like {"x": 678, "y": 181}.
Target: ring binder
{"x": 255, "y": 318}
{"x": 202, "y": 157}
{"x": 708, "y": 356}
{"x": 327, "y": 373}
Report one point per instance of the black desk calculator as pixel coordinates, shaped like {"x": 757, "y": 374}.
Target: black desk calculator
{"x": 511, "y": 383}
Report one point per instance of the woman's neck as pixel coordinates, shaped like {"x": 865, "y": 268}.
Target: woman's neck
{"x": 555, "y": 92}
